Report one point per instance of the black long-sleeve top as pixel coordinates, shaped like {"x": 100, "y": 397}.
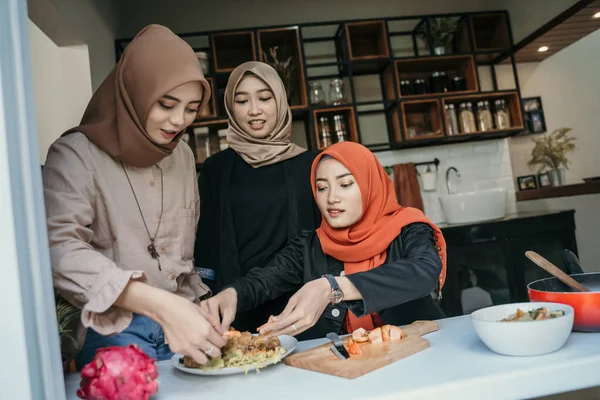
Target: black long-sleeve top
{"x": 399, "y": 290}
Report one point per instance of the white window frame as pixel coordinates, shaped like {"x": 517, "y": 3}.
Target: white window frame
{"x": 30, "y": 366}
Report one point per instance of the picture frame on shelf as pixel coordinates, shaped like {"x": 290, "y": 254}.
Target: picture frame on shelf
{"x": 533, "y": 115}
{"x": 527, "y": 182}
{"x": 544, "y": 180}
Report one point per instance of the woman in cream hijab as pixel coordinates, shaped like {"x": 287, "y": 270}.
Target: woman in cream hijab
{"x": 122, "y": 206}
{"x": 255, "y": 195}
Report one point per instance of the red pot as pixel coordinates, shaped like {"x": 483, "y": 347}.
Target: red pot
{"x": 585, "y": 304}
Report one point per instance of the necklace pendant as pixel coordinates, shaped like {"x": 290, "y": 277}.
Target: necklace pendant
{"x": 152, "y": 250}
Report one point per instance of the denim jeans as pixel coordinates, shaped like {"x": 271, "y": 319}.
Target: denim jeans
{"x": 143, "y": 331}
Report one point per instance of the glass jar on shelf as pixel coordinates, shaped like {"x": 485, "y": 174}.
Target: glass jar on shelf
{"x": 484, "y": 116}
{"x": 420, "y": 86}
{"x": 439, "y": 83}
{"x": 203, "y": 59}
{"x": 339, "y": 128}
{"x": 452, "y": 120}
{"x": 501, "y": 115}
{"x": 406, "y": 88}
{"x": 324, "y": 132}
{"x": 337, "y": 95}
{"x": 458, "y": 84}
{"x": 467, "y": 118}
{"x": 317, "y": 95}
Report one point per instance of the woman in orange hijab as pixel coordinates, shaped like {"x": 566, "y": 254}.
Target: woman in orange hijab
{"x": 371, "y": 262}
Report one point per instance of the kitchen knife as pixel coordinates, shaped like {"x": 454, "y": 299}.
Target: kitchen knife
{"x": 338, "y": 346}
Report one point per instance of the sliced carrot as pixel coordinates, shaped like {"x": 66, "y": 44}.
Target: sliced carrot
{"x": 396, "y": 333}
{"x": 375, "y": 336}
{"x": 385, "y": 333}
{"x": 360, "y": 335}
{"x": 353, "y": 347}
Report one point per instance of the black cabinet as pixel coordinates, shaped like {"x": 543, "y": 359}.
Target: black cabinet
{"x": 487, "y": 263}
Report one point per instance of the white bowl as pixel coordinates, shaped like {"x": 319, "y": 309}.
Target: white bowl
{"x": 524, "y": 338}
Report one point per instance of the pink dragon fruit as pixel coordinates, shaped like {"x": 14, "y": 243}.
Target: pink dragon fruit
{"x": 119, "y": 373}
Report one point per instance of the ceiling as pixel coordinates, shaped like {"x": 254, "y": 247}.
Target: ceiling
{"x": 567, "y": 28}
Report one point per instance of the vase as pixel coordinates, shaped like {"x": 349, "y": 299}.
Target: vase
{"x": 557, "y": 176}
{"x": 439, "y": 50}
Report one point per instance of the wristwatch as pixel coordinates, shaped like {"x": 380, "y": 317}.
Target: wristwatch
{"x": 336, "y": 295}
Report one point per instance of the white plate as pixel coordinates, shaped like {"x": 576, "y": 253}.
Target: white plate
{"x": 287, "y": 342}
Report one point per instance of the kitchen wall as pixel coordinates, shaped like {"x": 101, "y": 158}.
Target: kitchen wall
{"x": 569, "y": 85}
{"x": 90, "y": 22}
{"x": 61, "y": 86}
{"x": 482, "y": 165}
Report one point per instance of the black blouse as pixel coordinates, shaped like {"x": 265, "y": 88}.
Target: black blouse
{"x": 259, "y": 208}
{"x": 246, "y": 216}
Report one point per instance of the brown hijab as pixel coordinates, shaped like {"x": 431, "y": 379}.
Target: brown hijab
{"x": 277, "y": 146}
{"x": 154, "y": 62}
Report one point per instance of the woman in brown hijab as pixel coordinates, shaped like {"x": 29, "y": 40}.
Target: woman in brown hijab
{"x": 256, "y": 194}
{"x": 122, "y": 206}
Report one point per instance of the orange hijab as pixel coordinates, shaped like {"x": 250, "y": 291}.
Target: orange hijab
{"x": 363, "y": 246}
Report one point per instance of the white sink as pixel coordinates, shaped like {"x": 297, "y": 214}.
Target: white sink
{"x": 483, "y": 205}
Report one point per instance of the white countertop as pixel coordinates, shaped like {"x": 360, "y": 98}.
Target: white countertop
{"x": 456, "y": 366}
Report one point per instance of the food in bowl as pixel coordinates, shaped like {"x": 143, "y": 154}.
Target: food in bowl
{"x": 537, "y": 314}
{"x": 514, "y": 339}
{"x": 242, "y": 350}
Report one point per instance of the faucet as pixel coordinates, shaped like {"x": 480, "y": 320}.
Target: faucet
{"x": 450, "y": 191}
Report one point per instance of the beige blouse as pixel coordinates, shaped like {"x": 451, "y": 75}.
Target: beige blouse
{"x": 97, "y": 237}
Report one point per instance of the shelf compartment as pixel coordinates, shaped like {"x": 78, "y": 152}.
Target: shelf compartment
{"x": 367, "y": 40}
{"x": 488, "y": 32}
{"x": 424, "y": 67}
{"x": 287, "y": 44}
{"x": 211, "y": 110}
{"x": 329, "y": 113}
{"x": 232, "y": 49}
{"x": 204, "y": 138}
{"x": 422, "y": 119}
{"x": 513, "y": 104}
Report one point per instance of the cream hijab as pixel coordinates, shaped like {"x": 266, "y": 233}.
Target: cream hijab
{"x": 154, "y": 62}
{"x": 277, "y": 146}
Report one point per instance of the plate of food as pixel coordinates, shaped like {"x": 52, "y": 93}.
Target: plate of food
{"x": 243, "y": 352}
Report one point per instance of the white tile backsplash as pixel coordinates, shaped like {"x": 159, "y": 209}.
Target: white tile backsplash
{"x": 482, "y": 165}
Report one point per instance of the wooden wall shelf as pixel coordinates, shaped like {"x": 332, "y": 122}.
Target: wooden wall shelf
{"x": 423, "y": 119}
{"x": 286, "y": 43}
{"x": 210, "y": 111}
{"x": 232, "y": 49}
{"x": 423, "y": 67}
{"x": 513, "y": 105}
{"x": 367, "y": 40}
{"x": 364, "y": 48}
{"x": 577, "y": 189}
{"x": 349, "y": 119}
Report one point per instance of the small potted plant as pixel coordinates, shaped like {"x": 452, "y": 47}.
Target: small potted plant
{"x": 442, "y": 33}
{"x": 550, "y": 152}
{"x": 67, "y": 316}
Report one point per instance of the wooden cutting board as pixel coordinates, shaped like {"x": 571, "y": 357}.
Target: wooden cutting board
{"x": 375, "y": 355}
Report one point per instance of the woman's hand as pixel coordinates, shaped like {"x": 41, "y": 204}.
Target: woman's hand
{"x": 222, "y": 307}
{"x": 188, "y": 328}
{"x": 302, "y": 311}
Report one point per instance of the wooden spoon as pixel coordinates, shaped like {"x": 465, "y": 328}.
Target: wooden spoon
{"x": 555, "y": 271}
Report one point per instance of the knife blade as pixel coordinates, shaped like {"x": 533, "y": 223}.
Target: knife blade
{"x": 338, "y": 346}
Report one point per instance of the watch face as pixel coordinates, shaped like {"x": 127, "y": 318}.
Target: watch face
{"x": 337, "y": 296}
